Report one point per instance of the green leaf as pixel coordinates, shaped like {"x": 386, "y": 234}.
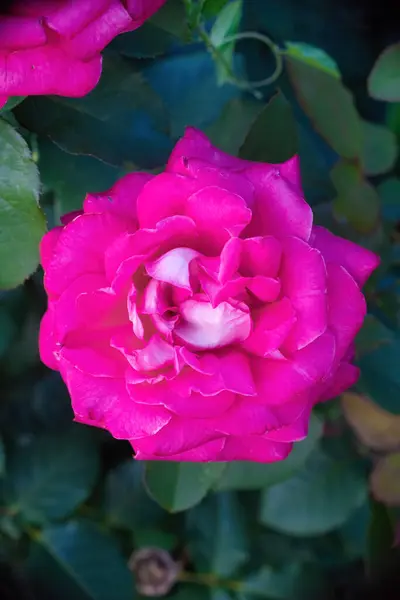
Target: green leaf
{"x": 315, "y": 57}
{"x": 226, "y": 24}
{"x": 329, "y": 105}
{"x": 389, "y": 193}
{"x": 217, "y": 537}
{"x": 171, "y": 17}
{"x": 211, "y": 8}
{"x": 177, "y": 486}
{"x": 2, "y": 459}
{"x": 229, "y": 131}
{"x": 125, "y": 501}
{"x": 380, "y": 539}
{"x": 11, "y": 103}
{"x": 357, "y": 200}
{"x": 318, "y": 499}
{"x": 52, "y": 475}
{"x": 271, "y": 584}
{"x": 122, "y": 121}
{"x": 380, "y": 376}
{"x": 71, "y": 177}
{"x": 147, "y": 41}
{"x": 22, "y": 222}
{"x": 385, "y": 479}
{"x": 272, "y": 137}
{"x": 380, "y": 149}
{"x": 372, "y": 335}
{"x": 252, "y": 476}
{"x": 384, "y": 79}
{"x": 77, "y": 560}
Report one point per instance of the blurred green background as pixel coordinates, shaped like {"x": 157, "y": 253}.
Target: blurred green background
{"x": 74, "y": 506}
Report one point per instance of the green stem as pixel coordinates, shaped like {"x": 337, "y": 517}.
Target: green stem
{"x": 210, "y": 580}
{"x": 216, "y": 53}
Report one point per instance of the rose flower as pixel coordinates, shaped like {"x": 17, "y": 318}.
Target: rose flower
{"x": 198, "y": 313}
{"x": 54, "y": 46}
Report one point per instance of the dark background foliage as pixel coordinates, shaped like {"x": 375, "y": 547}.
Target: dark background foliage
{"x": 74, "y": 506}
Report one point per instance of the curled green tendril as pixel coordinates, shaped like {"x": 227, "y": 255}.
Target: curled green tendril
{"x": 246, "y": 35}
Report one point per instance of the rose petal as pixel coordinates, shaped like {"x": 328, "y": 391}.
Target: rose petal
{"x": 120, "y": 199}
{"x": 358, "y": 261}
{"x": 254, "y": 448}
{"x": 204, "y": 327}
{"x": 347, "y": 307}
{"x": 208, "y": 452}
{"x": 303, "y": 278}
{"x": 173, "y": 267}
{"x": 271, "y": 326}
{"x": 279, "y": 381}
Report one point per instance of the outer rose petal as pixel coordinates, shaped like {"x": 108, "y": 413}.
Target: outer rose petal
{"x": 3, "y": 101}
{"x": 278, "y": 207}
{"x": 254, "y": 448}
{"x": 105, "y": 403}
{"x": 120, "y": 199}
{"x": 76, "y": 254}
{"x": 47, "y": 70}
{"x": 358, "y": 261}
{"x": 303, "y": 277}
{"x": 47, "y": 339}
{"x": 208, "y": 452}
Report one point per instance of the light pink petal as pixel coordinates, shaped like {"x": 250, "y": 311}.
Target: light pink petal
{"x": 77, "y": 254}
{"x": 104, "y": 402}
{"x": 254, "y": 448}
{"x": 99, "y": 32}
{"x": 260, "y": 256}
{"x": 230, "y": 259}
{"x": 156, "y": 354}
{"x": 279, "y": 208}
{"x": 21, "y": 32}
{"x": 164, "y": 196}
{"x": 47, "y": 70}
{"x": 204, "y": 327}
{"x": 279, "y": 381}
{"x": 218, "y": 214}
{"x": 358, "y": 261}
{"x": 208, "y": 452}
{"x": 120, "y": 199}
{"x": 347, "y": 307}
{"x": 173, "y": 267}
{"x": 303, "y": 278}
{"x": 271, "y": 326}
{"x": 136, "y": 321}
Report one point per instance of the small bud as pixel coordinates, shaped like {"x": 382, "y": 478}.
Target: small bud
{"x": 155, "y": 571}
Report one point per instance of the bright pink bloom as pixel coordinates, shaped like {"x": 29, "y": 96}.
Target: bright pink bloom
{"x": 53, "y": 46}
{"x": 198, "y": 313}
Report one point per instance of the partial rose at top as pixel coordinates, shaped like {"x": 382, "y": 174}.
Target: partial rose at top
{"x": 54, "y": 46}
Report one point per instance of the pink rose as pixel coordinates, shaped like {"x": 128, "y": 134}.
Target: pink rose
{"x": 198, "y": 313}
{"x": 53, "y": 46}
